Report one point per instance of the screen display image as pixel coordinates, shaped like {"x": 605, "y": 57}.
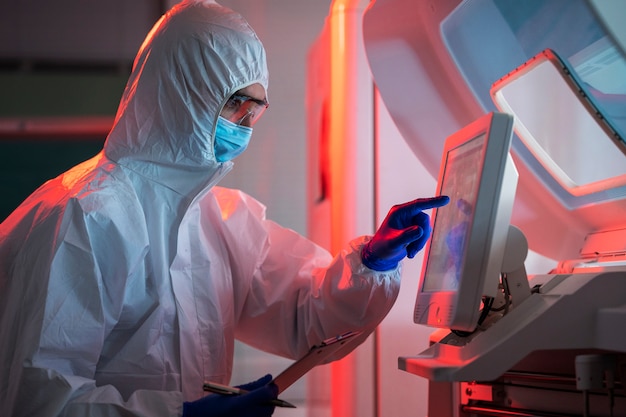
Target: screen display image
{"x": 452, "y": 223}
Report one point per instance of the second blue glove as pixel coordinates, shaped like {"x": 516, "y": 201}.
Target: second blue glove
{"x": 256, "y": 403}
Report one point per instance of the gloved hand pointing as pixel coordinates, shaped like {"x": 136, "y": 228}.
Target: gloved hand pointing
{"x": 404, "y": 232}
{"x": 255, "y": 403}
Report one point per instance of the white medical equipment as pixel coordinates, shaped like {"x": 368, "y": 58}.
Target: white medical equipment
{"x": 502, "y": 352}
{"x": 552, "y": 344}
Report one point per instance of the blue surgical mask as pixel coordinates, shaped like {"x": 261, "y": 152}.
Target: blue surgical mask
{"x": 231, "y": 139}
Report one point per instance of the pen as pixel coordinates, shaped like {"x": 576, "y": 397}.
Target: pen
{"x": 227, "y": 390}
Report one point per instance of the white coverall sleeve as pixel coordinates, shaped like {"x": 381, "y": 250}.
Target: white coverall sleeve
{"x": 94, "y": 258}
{"x": 300, "y": 296}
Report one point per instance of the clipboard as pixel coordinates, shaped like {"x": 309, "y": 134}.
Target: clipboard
{"x": 317, "y": 355}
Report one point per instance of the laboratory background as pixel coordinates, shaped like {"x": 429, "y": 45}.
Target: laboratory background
{"x": 363, "y": 95}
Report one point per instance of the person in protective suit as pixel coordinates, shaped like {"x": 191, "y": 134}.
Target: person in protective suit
{"x": 125, "y": 281}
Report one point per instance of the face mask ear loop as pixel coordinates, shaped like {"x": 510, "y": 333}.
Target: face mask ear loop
{"x": 248, "y": 114}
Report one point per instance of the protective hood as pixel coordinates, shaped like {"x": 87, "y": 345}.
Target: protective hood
{"x": 195, "y": 57}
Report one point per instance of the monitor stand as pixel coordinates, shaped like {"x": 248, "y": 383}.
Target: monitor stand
{"x": 513, "y": 278}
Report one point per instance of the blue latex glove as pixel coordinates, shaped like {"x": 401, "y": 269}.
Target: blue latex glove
{"x": 404, "y": 232}
{"x": 255, "y": 403}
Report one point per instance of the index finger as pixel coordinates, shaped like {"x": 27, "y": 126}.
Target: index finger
{"x": 428, "y": 203}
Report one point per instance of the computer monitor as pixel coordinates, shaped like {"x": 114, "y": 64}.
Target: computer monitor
{"x": 463, "y": 258}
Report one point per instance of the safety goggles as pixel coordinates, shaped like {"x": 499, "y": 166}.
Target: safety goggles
{"x": 244, "y": 110}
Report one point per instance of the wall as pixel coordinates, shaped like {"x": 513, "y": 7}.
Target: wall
{"x": 273, "y": 169}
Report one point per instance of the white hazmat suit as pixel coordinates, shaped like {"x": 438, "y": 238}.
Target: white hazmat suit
{"x": 125, "y": 281}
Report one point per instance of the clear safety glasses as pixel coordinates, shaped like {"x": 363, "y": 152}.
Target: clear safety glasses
{"x": 244, "y": 110}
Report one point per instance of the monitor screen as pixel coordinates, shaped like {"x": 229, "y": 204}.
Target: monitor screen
{"x": 460, "y": 182}
{"x": 464, "y": 256}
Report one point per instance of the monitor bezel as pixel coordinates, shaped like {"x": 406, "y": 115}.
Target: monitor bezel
{"x": 486, "y": 237}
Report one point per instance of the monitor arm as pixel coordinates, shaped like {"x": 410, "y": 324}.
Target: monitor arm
{"x": 514, "y": 277}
